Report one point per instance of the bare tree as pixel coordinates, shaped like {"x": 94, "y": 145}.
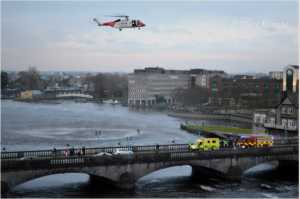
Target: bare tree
{"x": 30, "y": 80}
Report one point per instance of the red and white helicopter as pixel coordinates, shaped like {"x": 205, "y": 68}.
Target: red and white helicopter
{"x": 123, "y": 22}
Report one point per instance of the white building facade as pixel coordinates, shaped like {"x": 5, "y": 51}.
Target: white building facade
{"x": 148, "y": 88}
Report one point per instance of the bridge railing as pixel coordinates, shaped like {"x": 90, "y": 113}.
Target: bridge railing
{"x": 91, "y": 151}
{"x": 156, "y": 156}
{"x": 248, "y": 152}
{"x": 134, "y": 148}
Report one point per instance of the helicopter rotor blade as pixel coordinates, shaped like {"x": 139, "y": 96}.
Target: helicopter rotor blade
{"x": 125, "y": 16}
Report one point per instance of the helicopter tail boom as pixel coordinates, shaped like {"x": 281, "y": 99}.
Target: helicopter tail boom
{"x": 97, "y": 22}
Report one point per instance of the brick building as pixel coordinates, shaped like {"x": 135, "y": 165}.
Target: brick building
{"x": 245, "y": 92}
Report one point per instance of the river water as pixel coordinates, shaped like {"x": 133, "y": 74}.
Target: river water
{"x": 32, "y": 126}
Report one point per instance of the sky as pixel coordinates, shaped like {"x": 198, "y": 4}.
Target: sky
{"x": 235, "y": 36}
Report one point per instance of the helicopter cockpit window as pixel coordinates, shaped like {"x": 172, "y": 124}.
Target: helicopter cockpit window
{"x": 133, "y": 23}
{"x": 117, "y": 20}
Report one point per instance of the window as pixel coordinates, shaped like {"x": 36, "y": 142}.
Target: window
{"x": 289, "y": 80}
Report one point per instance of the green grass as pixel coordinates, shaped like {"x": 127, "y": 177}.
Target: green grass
{"x": 224, "y": 129}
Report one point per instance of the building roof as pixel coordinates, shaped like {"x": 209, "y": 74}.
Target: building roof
{"x": 292, "y": 97}
{"x": 294, "y": 66}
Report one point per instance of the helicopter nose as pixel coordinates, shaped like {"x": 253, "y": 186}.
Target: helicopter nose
{"x": 142, "y": 24}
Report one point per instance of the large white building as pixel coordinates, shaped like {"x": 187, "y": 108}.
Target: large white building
{"x": 146, "y": 87}
{"x": 149, "y": 86}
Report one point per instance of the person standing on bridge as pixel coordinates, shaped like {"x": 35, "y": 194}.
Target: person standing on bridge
{"x": 67, "y": 150}
{"x": 72, "y": 151}
{"x": 54, "y": 151}
{"x": 83, "y": 150}
{"x": 157, "y": 147}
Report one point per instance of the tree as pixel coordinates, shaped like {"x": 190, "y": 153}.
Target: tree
{"x": 4, "y": 80}
{"x": 109, "y": 85}
{"x": 30, "y": 80}
{"x": 160, "y": 99}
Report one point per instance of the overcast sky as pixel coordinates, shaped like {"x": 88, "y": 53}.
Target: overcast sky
{"x": 232, "y": 36}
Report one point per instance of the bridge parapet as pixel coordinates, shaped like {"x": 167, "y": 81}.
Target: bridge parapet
{"x": 124, "y": 170}
{"x": 92, "y": 151}
{"x": 140, "y": 157}
{"x": 135, "y": 148}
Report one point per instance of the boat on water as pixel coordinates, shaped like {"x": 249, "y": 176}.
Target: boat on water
{"x": 111, "y": 101}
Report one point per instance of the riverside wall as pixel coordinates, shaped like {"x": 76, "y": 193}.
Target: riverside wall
{"x": 200, "y": 116}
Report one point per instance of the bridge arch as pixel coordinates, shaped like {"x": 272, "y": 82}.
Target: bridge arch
{"x": 187, "y": 170}
{"x": 269, "y": 164}
{"x": 199, "y": 168}
{"x": 54, "y": 180}
{"x": 27, "y": 176}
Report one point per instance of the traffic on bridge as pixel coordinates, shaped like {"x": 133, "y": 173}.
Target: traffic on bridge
{"x": 204, "y": 144}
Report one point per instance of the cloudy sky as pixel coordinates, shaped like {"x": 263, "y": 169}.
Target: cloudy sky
{"x": 233, "y": 36}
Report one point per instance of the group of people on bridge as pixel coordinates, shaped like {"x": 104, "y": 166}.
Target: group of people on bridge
{"x": 70, "y": 151}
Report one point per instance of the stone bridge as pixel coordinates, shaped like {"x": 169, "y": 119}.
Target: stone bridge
{"x": 124, "y": 170}
{"x": 74, "y": 95}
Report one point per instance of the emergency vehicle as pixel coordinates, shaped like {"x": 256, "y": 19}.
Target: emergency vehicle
{"x": 205, "y": 144}
{"x": 255, "y": 141}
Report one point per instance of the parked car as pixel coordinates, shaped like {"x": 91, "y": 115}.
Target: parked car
{"x": 123, "y": 152}
{"x": 103, "y": 154}
{"x": 29, "y": 158}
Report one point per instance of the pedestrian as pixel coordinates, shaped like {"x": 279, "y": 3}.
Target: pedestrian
{"x": 222, "y": 143}
{"x": 72, "y": 151}
{"x": 157, "y": 147}
{"x": 66, "y": 152}
{"x": 234, "y": 144}
{"x": 225, "y": 143}
{"x": 83, "y": 150}
{"x": 54, "y": 151}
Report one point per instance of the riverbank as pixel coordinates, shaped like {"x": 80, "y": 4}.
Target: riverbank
{"x": 217, "y": 131}
{"x": 231, "y": 117}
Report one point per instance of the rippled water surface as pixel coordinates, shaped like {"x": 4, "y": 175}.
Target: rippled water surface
{"x": 27, "y": 126}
